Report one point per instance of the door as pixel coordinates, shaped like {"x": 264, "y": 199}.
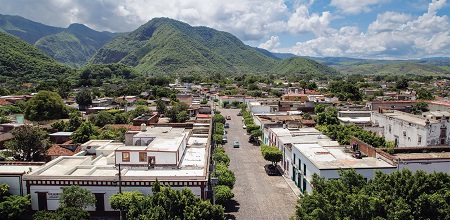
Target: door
{"x": 99, "y": 201}
{"x": 151, "y": 162}
{"x": 42, "y": 200}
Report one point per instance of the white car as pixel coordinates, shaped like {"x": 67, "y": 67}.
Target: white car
{"x": 244, "y": 127}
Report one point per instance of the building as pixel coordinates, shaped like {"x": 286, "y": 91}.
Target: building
{"x": 295, "y": 97}
{"x": 359, "y": 118}
{"x": 177, "y": 157}
{"x": 307, "y": 151}
{"x": 408, "y": 130}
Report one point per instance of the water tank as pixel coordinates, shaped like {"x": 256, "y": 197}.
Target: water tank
{"x": 143, "y": 127}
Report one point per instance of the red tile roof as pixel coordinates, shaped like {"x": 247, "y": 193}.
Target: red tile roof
{"x": 203, "y": 115}
{"x": 3, "y": 102}
{"x": 56, "y": 150}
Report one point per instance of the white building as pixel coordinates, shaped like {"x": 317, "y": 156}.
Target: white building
{"x": 307, "y": 151}
{"x": 175, "y": 156}
{"x": 326, "y": 161}
{"x": 359, "y": 118}
{"x": 408, "y": 130}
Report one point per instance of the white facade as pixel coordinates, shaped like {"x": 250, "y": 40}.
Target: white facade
{"x": 407, "y": 130}
{"x": 175, "y": 156}
{"x": 257, "y": 108}
{"x": 326, "y": 161}
{"x": 307, "y": 151}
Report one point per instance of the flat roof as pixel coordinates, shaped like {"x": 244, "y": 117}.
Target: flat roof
{"x": 423, "y": 156}
{"x": 331, "y": 158}
{"x": 61, "y": 133}
{"x": 419, "y": 120}
{"x": 354, "y": 119}
{"x": 17, "y": 169}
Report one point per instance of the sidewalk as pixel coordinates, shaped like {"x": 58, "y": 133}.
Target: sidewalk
{"x": 291, "y": 184}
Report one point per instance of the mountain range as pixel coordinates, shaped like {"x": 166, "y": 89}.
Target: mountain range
{"x": 73, "y": 46}
{"x": 164, "y": 45}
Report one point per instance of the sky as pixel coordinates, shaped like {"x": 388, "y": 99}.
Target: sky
{"x": 374, "y": 29}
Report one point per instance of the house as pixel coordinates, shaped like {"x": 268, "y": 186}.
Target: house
{"x": 178, "y": 157}
{"x": 60, "y": 137}
{"x": 146, "y": 119}
{"x": 306, "y": 151}
{"x": 408, "y": 130}
{"x": 359, "y": 118}
{"x": 430, "y": 158}
{"x": 12, "y": 172}
{"x": 294, "y": 97}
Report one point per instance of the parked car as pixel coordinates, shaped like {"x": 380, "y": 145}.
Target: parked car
{"x": 236, "y": 144}
{"x": 228, "y": 117}
{"x": 226, "y": 125}
{"x": 271, "y": 170}
{"x": 239, "y": 114}
{"x": 224, "y": 139}
{"x": 244, "y": 127}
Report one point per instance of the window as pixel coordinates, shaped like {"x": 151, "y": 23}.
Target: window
{"x": 294, "y": 160}
{"x": 126, "y": 156}
{"x": 419, "y": 139}
{"x": 390, "y": 128}
{"x": 404, "y": 133}
{"x": 142, "y": 156}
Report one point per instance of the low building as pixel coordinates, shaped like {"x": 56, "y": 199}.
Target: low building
{"x": 408, "y": 130}
{"x": 177, "y": 157}
{"x": 359, "y": 118}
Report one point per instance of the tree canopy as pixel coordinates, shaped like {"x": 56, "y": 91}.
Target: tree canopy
{"x": 12, "y": 206}
{"x": 166, "y": 203}
{"x": 44, "y": 106}
{"x": 30, "y": 143}
{"x": 399, "y": 195}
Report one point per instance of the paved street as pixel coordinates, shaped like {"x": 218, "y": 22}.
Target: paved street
{"x": 257, "y": 195}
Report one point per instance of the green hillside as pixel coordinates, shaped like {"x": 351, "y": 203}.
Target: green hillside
{"x": 164, "y": 45}
{"x": 73, "y": 46}
{"x": 301, "y": 65}
{"x": 394, "y": 67}
{"x": 21, "y": 62}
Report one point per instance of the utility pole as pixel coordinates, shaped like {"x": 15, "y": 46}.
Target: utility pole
{"x": 120, "y": 191}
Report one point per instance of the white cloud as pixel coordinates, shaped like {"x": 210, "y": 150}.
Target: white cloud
{"x": 270, "y": 44}
{"x": 355, "y": 6}
{"x": 302, "y": 22}
{"x": 391, "y": 35}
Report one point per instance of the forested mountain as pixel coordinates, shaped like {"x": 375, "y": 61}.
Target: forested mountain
{"x": 164, "y": 45}
{"x": 301, "y": 65}
{"x": 21, "y": 62}
{"x": 73, "y": 46}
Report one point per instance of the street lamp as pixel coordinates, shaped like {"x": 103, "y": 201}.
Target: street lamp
{"x": 214, "y": 181}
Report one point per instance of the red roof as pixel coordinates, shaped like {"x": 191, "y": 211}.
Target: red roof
{"x": 308, "y": 122}
{"x": 126, "y": 126}
{"x": 203, "y": 115}
{"x": 3, "y": 102}
{"x": 56, "y": 150}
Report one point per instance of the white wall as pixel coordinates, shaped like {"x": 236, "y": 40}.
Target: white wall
{"x": 14, "y": 184}
{"x": 52, "y": 204}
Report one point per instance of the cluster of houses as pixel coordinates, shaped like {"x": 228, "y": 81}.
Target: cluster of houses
{"x": 179, "y": 154}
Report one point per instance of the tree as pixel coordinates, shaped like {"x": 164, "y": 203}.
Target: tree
{"x": 141, "y": 102}
{"x": 271, "y": 153}
{"x": 222, "y": 194}
{"x": 218, "y": 118}
{"x": 84, "y": 99}
{"x": 103, "y": 118}
{"x": 12, "y": 206}
{"x": 256, "y": 133}
{"x": 76, "y": 197}
{"x": 161, "y": 107}
{"x": 45, "y": 106}
{"x": 63, "y": 213}
{"x": 167, "y": 203}
{"x": 329, "y": 117}
{"x": 402, "y": 83}
{"x": 225, "y": 176}
{"x": 399, "y": 195}
{"x": 30, "y": 143}
{"x": 125, "y": 199}
{"x": 419, "y": 107}
{"x": 221, "y": 157}
{"x": 319, "y": 108}
{"x": 424, "y": 94}
{"x": 175, "y": 113}
{"x": 84, "y": 133}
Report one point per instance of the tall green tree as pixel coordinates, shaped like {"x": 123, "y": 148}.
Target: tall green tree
{"x": 399, "y": 195}
{"x": 166, "y": 203}
{"x": 44, "y": 106}
{"x": 76, "y": 197}
{"x": 85, "y": 132}
{"x": 30, "y": 143}
{"x": 12, "y": 206}
{"x": 84, "y": 99}
{"x": 271, "y": 153}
